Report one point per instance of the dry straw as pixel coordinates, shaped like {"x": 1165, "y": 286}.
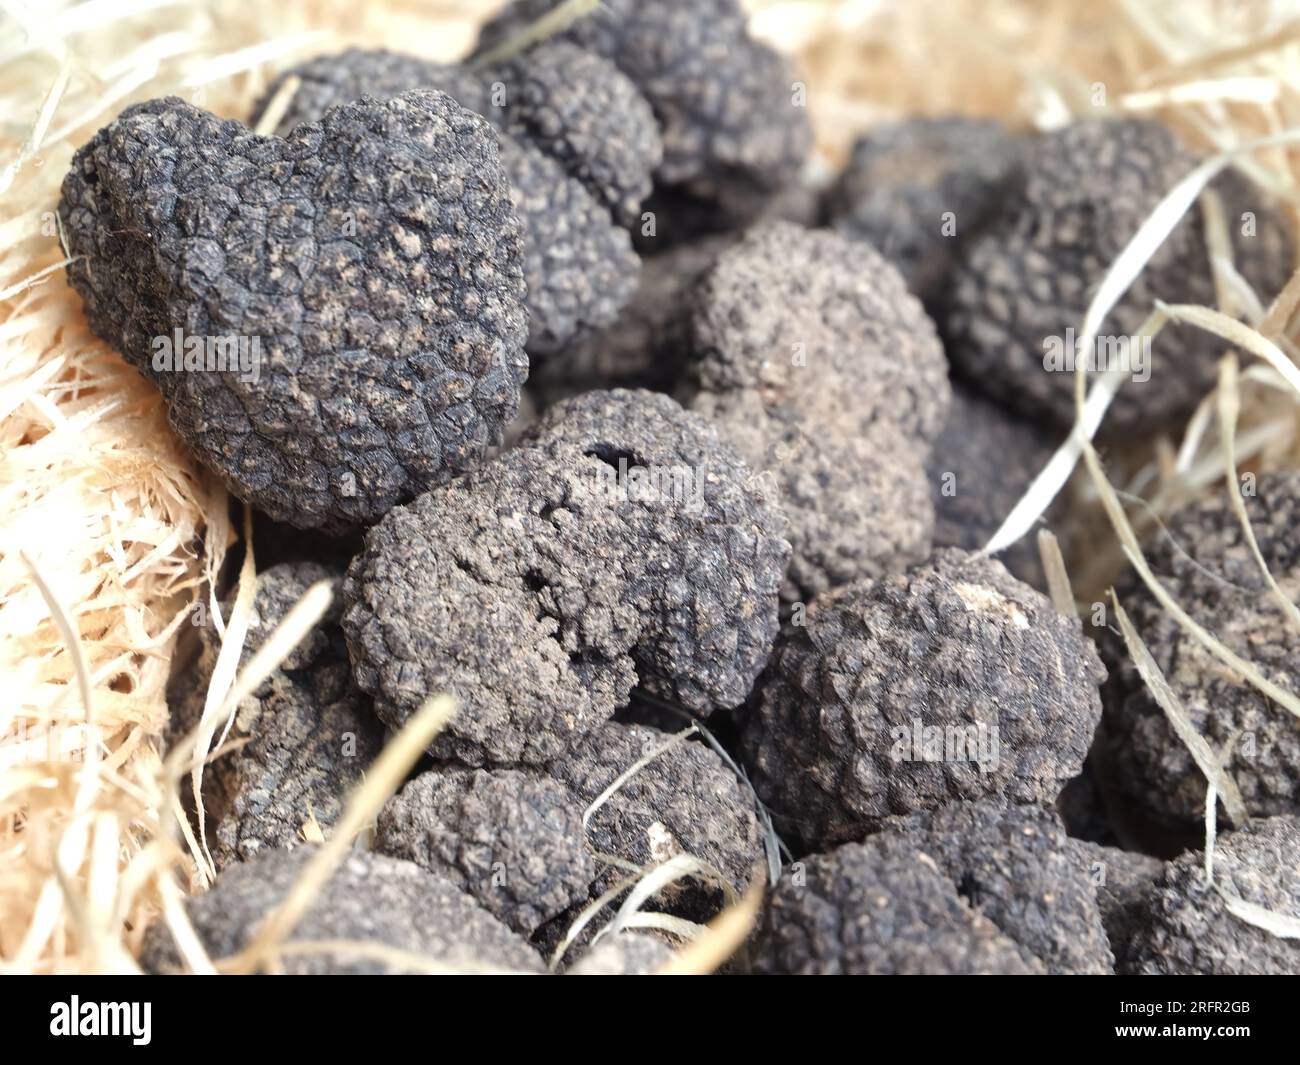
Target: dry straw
{"x": 109, "y": 533}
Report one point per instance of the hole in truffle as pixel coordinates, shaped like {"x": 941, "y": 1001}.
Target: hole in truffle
{"x": 619, "y": 458}
{"x": 534, "y": 581}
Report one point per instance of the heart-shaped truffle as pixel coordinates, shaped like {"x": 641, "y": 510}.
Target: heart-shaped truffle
{"x": 335, "y": 318}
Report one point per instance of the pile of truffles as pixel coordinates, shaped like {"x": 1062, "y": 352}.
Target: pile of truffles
{"x": 588, "y": 406}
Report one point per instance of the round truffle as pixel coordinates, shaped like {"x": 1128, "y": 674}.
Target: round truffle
{"x": 1029, "y": 277}
{"x": 982, "y": 464}
{"x": 1185, "y": 926}
{"x": 1205, "y": 562}
{"x": 915, "y": 189}
{"x": 583, "y": 112}
{"x": 621, "y": 538}
{"x": 335, "y": 319}
{"x": 512, "y": 839}
{"x": 306, "y": 733}
{"x": 950, "y": 681}
{"x": 730, "y": 110}
{"x": 821, "y": 367}
{"x": 370, "y": 900}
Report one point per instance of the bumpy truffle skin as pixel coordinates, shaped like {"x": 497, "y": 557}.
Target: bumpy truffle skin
{"x": 1206, "y": 564}
{"x": 309, "y": 734}
{"x": 580, "y": 268}
{"x": 950, "y": 681}
{"x": 582, "y": 111}
{"x": 578, "y": 264}
{"x": 1020, "y": 285}
{"x": 881, "y": 907}
{"x": 1123, "y": 880}
{"x": 326, "y": 81}
{"x": 537, "y": 587}
{"x": 821, "y": 367}
{"x": 369, "y": 899}
{"x": 1016, "y": 865}
{"x": 1186, "y": 927}
{"x": 917, "y": 188}
{"x": 375, "y": 260}
{"x": 733, "y": 130}
{"x": 624, "y": 954}
{"x": 685, "y": 800}
{"x": 980, "y": 467}
{"x": 512, "y": 839}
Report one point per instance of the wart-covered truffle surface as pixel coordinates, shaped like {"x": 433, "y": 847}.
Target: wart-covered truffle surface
{"x": 577, "y": 142}
{"x": 512, "y": 839}
{"x": 1029, "y": 278}
{"x": 730, "y": 112}
{"x": 1186, "y": 927}
{"x": 1017, "y": 867}
{"x": 623, "y": 954}
{"x": 981, "y": 465}
{"x": 819, "y": 365}
{"x": 370, "y": 899}
{"x": 582, "y": 111}
{"x": 685, "y": 800}
{"x": 622, "y": 538}
{"x": 306, "y": 734}
{"x": 369, "y": 265}
{"x": 918, "y": 188}
{"x": 1205, "y": 561}
{"x": 950, "y": 681}
{"x": 881, "y": 907}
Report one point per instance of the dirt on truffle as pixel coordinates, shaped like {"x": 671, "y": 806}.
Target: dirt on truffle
{"x": 1184, "y": 927}
{"x": 1204, "y": 560}
{"x": 370, "y": 899}
{"x": 950, "y": 681}
{"x": 622, "y": 539}
{"x": 389, "y": 346}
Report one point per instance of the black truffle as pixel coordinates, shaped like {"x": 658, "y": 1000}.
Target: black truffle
{"x": 1186, "y": 927}
{"x": 882, "y": 907}
{"x": 734, "y": 127}
{"x": 621, "y": 538}
{"x": 819, "y": 366}
{"x": 602, "y": 143}
{"x": 686, "y": 800}
{"x": 1025, "y": 281}
{"x": 950, "y": 681}
{"x": 1205, "y": 562}
{"x": 918, "y": 188}
{"x": 512, "y": 839}
{"x": 582, "y": 111}
{"x": 308, "y": 734}
{"x": 981, "y": 465}
{"x": 370, "y": 900}
{"x": 1123, "y": 880}
{"x": 369, "y": 265}
{"x": 971, "y": 888}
